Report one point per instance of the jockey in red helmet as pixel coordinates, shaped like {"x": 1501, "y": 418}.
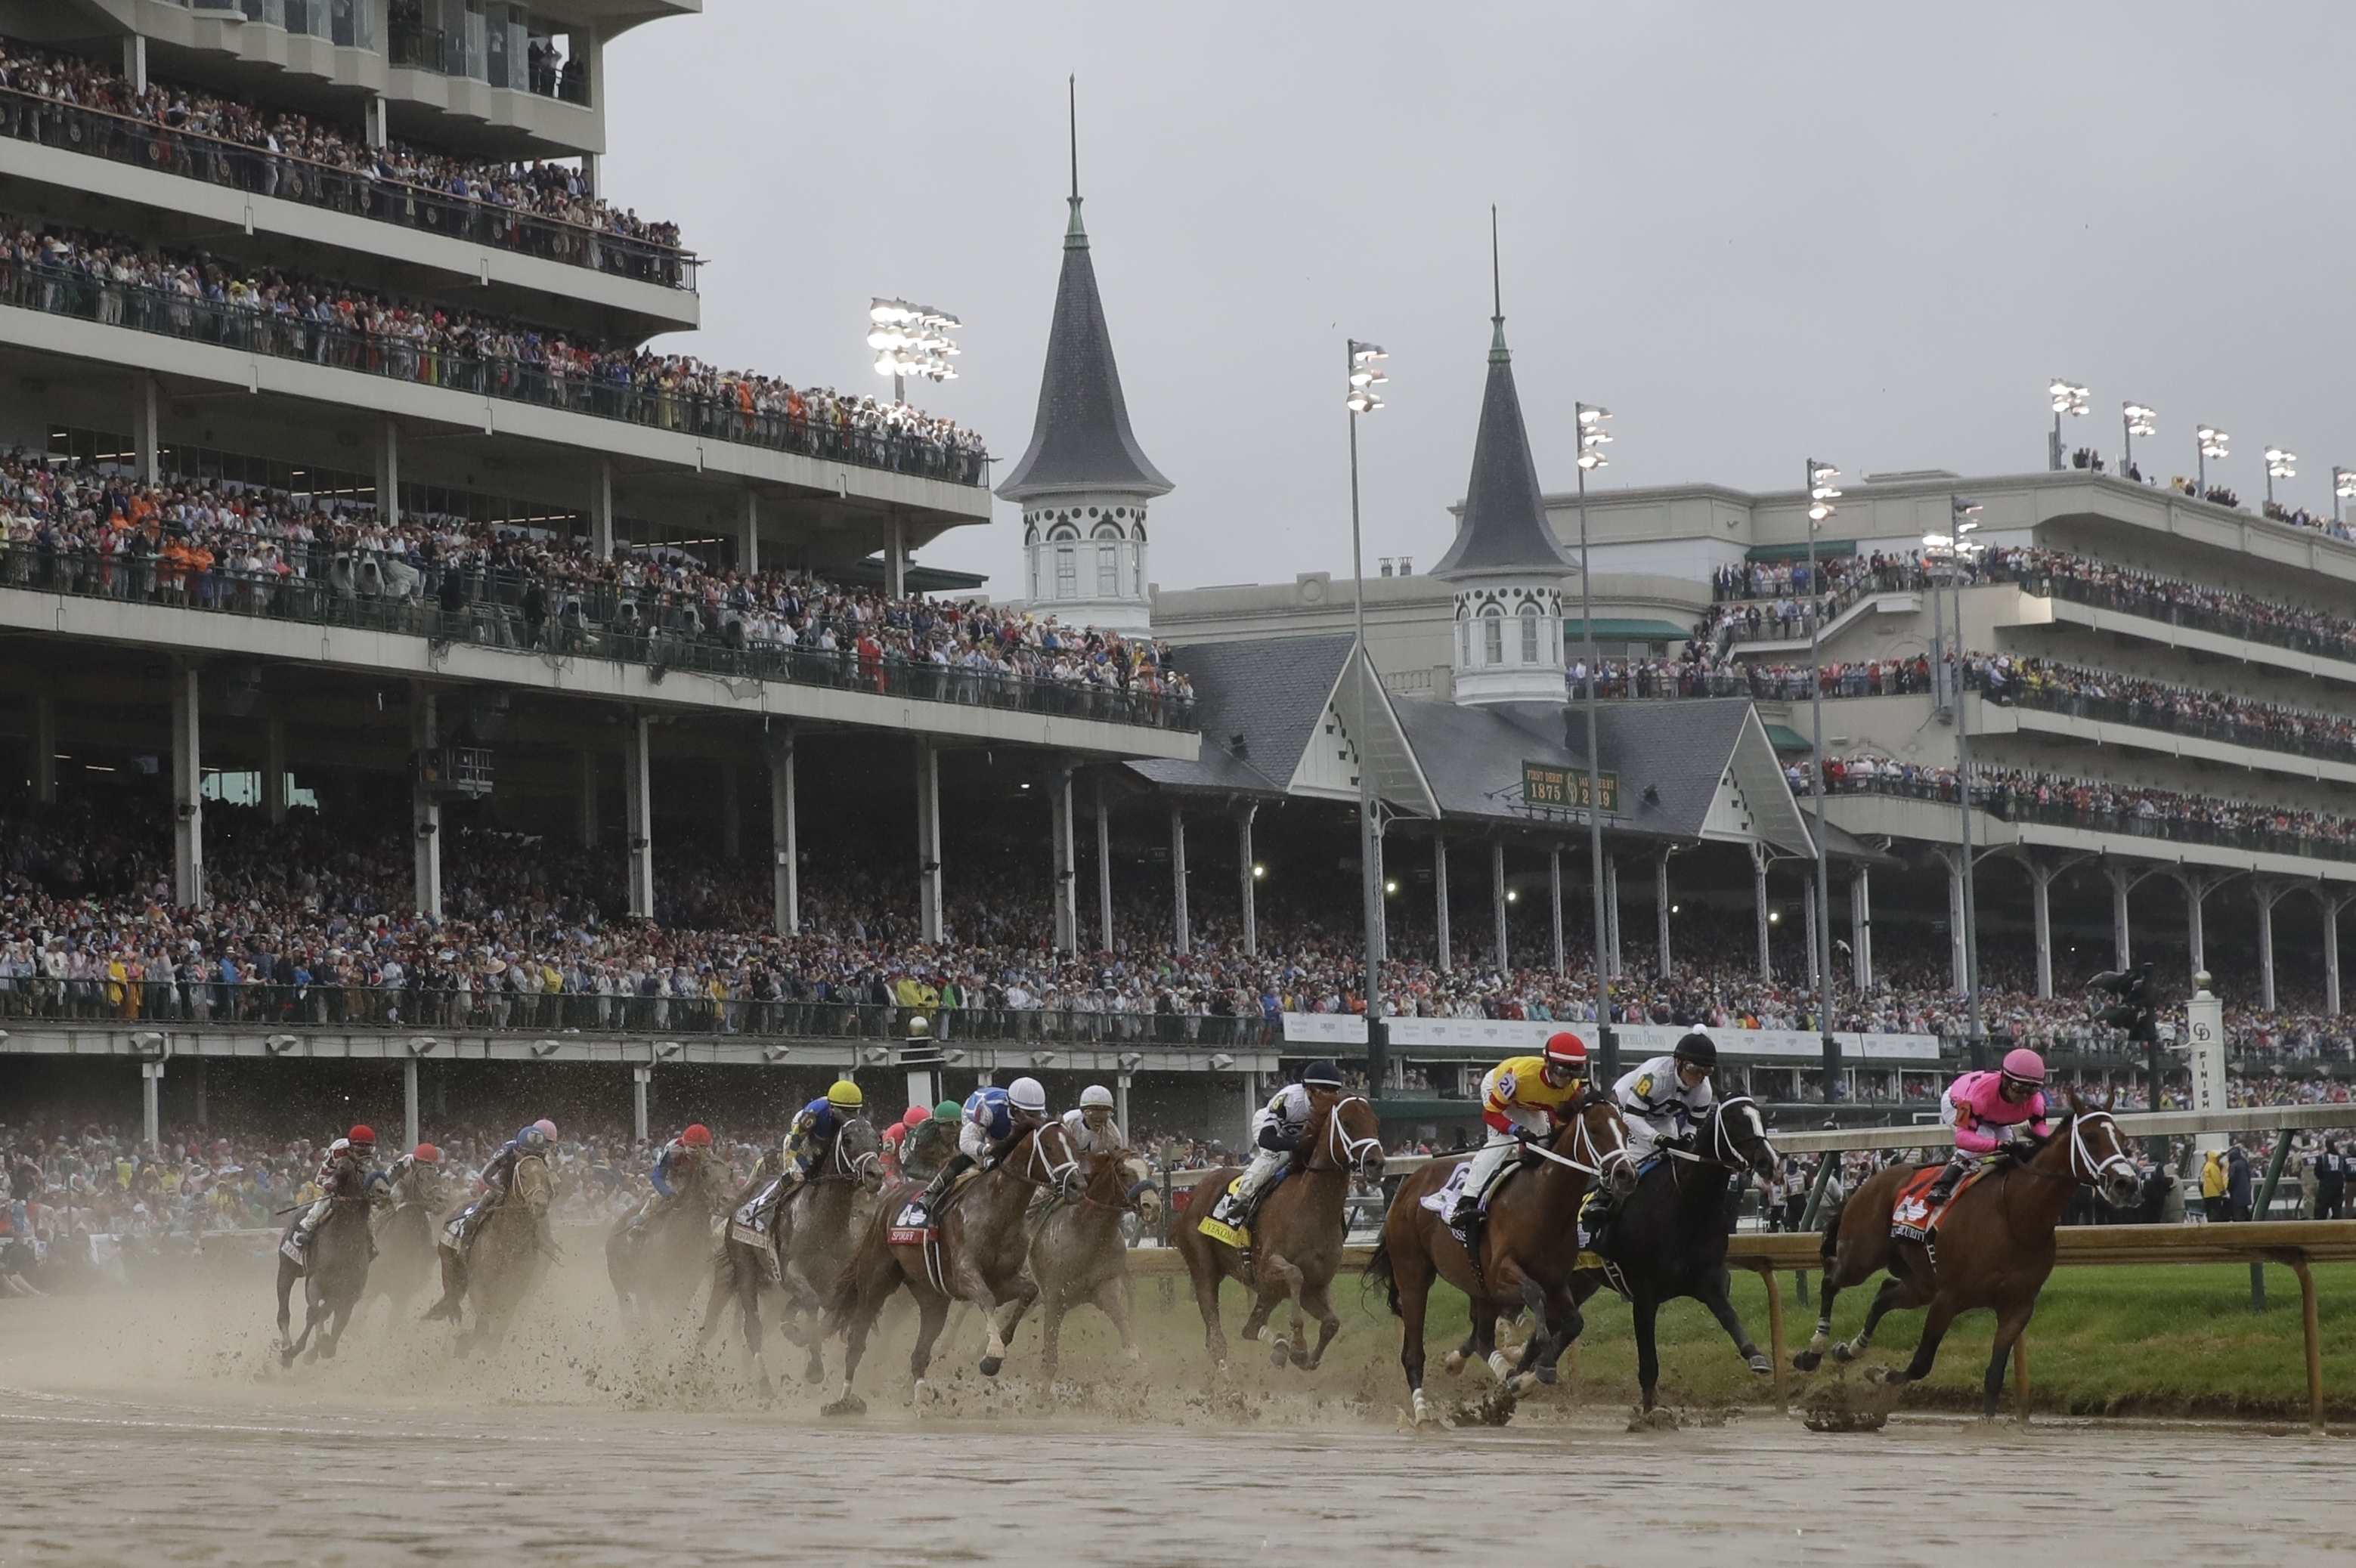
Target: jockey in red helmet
{"x": 1523, "y": 1099}
{"x": 345, "y": 1171}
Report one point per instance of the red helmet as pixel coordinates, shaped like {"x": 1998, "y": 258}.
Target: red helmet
{"x": 362, "y": 1134}
{"x": 697, "y": 1135}
{"x": 916, "y": 1115}
{"x": 1567, "y": 1050}
{"x": 426, "y": 1154}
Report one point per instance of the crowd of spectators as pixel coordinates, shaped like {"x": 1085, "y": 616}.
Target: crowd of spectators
{"x": 276, "y": 152}
{"x": 193, "y": 293}
{"x": 85, "y": 528}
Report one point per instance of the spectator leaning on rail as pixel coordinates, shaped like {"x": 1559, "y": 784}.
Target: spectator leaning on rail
{"x": 1983, "y": 1108}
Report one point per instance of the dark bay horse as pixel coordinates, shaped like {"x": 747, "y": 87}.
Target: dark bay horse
{"x": 1296, "y": 1238}
{"x": 509, "y": 1256}
{"x": 810, "y": 1235}
{"x": 979, "y": 1257}
{"x": 1994, "y": 1248}
{"x": 1080, "y": 1255}
{"x": 1669, "y": 1238}
{"x": 661, "y": 1250}
{"x": 1529, "y": 1248}
{"x": 334, "y": 1271}
{"x": 405, "y": 1255}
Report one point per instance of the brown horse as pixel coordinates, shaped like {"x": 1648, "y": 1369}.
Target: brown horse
{"x": 1296, "y": 1238}
{"x": 1992, "y": 1248}
{"x": 660, "y": 1251}
{"x": 979, "y": 1257}
{"x": 1079, "y": 1253}
{"x": 510, "y": 1253}
{"x": 1529, "y": 1249}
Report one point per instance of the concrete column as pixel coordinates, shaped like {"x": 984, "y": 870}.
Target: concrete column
{"x": 748, "y": 535}
{"x": 1612, "y": 917}
{"x": 1063, "y": 855}
{"x": 43, "y": 750}
{"x": 408, "y": 1135}
{"x": 1958, "y": 970}
{"x": 1248, "y": 886}
{"x": 376, "y": 125}
{"x": 638, "y": 810}
{"x": 202, "y": 1122}
{"x": 388, "y": 471}
{"x": 1554, "y": 909}
{"x": 1104, "y": 869}
{"x": 1758, "y": 909}
{"x": 1180, "y": 923}
{"x": 1121, "y": 1100}
{"x": 593, "y": 170}
{"x": 2331, "y": 907}
{"x": 2121, "y": 879}
{"x": 2196, "y": 891}
{"x": 896, "y": 561}
{"x": 1375, "y": 884}
{"x": 424, "y": 811}
{"x": 134, "y": 60}
{"x": 274, "y": 769}
{"x": 1251, "y": 1106}
{"x": 601, "y": 509}
{"x": 586, "y": 801}
{"x": 1439, "y": 897}
{"x": 2041, "y": 917}
{"x": 929, "y": 842}
{"x": 731, "y": 814}
{"x": 1808, "y": 934}
{"x": 2266, "y": 895}
{"x": 1503, "y": 954}
{"x": 639, "y": 1077}
{"x": 147, "y": 435}
{"x": 1860, "y": 928}
{"x": 785, "y": 837}
{"x": 187, "y": 790}
{"x": 151, "y": 1081}
{"x": 1661, "y": 907}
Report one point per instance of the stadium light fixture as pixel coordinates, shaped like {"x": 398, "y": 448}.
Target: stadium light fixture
{"x": 1589, "y": 422}
{"x": 1365, "y": 375}
{"x": 2280, "y": 464}
{"x": 1592, "y": 438}
{"x": 2137, "y": 420}
{"x": 2343, "y": 485}
{"x": 2066, "y": 398}
{"x": 1822, "y": 494}
{"x": 912, "y": 340}
{"x": 2211, "y": 444}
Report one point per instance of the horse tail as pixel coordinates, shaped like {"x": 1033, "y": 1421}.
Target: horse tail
{"x": 1378, "y": 1271}
{"x": 849, "y": 1286}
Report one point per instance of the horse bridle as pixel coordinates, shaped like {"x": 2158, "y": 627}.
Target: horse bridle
{"x": 2081, "y": 1155}
{"x": 1721, "y": 1147}
{"x": 850, "y": 1170}
{"x": 1346, "y": 1152}
{"x": 1583, "y": 1137}
{"x": 1052, "y": 1174}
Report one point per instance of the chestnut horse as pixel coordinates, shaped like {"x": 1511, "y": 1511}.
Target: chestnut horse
{"x": 1992, "y": 1248}
{"x": 1080, "y": 1256}
{"x": 1529, "y": 1248}
{"x": 979, "y": 1255}
{"x": 1296, "y": 1237}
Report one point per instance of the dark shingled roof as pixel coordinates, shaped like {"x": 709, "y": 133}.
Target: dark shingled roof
{"x": 1503, "y": 528}
{"x": 1272, "y": 693}
{"x": 1081, "y": 440}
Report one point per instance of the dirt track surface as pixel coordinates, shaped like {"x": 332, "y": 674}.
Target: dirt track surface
{"x": 134, "y": 1436}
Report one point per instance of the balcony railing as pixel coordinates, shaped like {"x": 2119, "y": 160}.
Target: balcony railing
{"x": 2130, "y": 599}
{"x": 2141, "y": 715}
{"x": 27, "y": 117}
{"x": 649, "y": 627}
{"x": 44, "y": 286}
{"x": 2009, "y": 803}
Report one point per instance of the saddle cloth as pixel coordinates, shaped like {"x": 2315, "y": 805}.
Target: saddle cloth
{"x": 1225, "y": 1221}
{"x": 756, "y": 1220}
{"x": 1912, "y": 1218}
{"x": 915, "y": 1224}
{"x": 453, "y": 1231}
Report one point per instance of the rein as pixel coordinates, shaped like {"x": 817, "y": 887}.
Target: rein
{"x": 1583, "y": 1138}
{"x": 1057, "y": 1174}
{"x": 2081, "y": 1155}
{"x": 1346, "y": 1152}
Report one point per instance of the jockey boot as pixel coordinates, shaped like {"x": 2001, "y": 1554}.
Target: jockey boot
{"x": 1596, "y": 1215}
{"x": 936, "y": 1189}
{"x": 1949, "y": 1180}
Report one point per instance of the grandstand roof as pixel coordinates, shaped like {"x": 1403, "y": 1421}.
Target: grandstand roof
{"x": 1503, "y": 526}
{"x": 1081, "y": 440}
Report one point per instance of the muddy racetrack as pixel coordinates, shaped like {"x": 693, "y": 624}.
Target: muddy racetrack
{"x": 158, "y": 1429}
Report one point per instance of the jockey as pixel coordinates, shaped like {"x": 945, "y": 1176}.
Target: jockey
{"x": 896, "y": 1136}
{"x": 931, "y": 1142}
{"x": 1523, "y": 1099}
{"x": 344, "y": 1172}
{"x": 459, "y": 1235}
{"x": 681, "y": 1160}
{"x": 992, "y": 1119}
{"x": 821, "y": 1118}
{"x": 1662, "y": 1098}
{"x": 416, "y": 1176}
{"x": 1277, "y": 1130}
{"x": 1983, "y": 1108}
{"x": 1091, "y": 1124}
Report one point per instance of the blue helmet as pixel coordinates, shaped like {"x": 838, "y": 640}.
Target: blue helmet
{"x": 531, "y": 1140}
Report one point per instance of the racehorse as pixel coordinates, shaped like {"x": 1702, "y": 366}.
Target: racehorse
{"x": 661, "y": 1250}
{"x": 1078, "y": 1253}
{"x": 1296, "y": 1237}
{"x": 809, "y": 1236}
{"x": 1529, "y": 1248}
{"x": 334, "y": 1271}
{"x": 1992, "y": 1248}
{"x": 1670, "y": 1239}
{"x": 976, "y": 1253}
{"x": 510, "y": 1253}
{"x": 404, "y": 1245}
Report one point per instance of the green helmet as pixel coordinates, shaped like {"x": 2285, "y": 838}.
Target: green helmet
{"x": 949, "y": 1110}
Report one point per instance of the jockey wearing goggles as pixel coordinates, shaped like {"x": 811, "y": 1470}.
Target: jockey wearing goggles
{"x": 1523, "y": 1099}
{"x": 1983, "y": 1108}
{"x": 992, "y": 1119}
{"x": 1091, "y": 1123}
{"x": 1663, "y": 1098}
{"x": 1277, "y": 1130}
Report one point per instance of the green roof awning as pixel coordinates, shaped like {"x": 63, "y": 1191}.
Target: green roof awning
{"x": 1783, "y": 738}
{"x": 1824, "y": 547}
{"x": 1628, "y": 629}
{"x": 918, "y": 579}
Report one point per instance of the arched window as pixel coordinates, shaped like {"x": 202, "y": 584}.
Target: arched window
{"x": 1107, "y": 561}
{"x": 1529, "y": 619}
{"x": 1493, "y": 636}
{"x": 1067, "y": 574}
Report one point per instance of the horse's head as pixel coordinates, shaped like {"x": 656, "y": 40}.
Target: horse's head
{"x": 1735, "y": 1135}
{"x": 1352, "y": 1138}
{"x": 1046, "y": 1157}
{"x": 857, "y": 1153}
{"x": 1106, "y": 1181}
{"x": 1594, "y": 1137}
{"x": 2098, "y": 1153}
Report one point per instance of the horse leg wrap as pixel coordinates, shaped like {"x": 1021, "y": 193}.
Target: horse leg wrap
{"x": 1500, "y": 1366}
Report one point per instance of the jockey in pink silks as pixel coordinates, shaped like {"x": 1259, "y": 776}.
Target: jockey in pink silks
{"x": 1983, "y": 1106}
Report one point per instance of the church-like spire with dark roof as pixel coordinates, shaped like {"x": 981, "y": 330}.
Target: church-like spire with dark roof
{"x": 1504, "y": 527}
{"x": 1081, "y": 440}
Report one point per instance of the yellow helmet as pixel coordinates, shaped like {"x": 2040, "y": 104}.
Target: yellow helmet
{"x": 844, "y": 1095}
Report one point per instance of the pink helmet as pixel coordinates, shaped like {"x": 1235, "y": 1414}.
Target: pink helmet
{"x": 545, "y": 1126}
{"x": 2023, "y": 1065}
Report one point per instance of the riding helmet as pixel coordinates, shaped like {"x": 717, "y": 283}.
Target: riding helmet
{"x": 547, "y": 1128}
{"x": 844, "y": 1095}
{"x": 1095, "y": 1095}
{"x": 426, "y": 1154}
{"x": 947, "y": 1110}
{"x": 531, "y": 1140}
{"x": 1697, "y": 1048}
{"x": 697, "y": 1135}
{"x": 1565, "y": 1050}
{"x": 916, "y": 1116}
{"x": 362, "y": 1138}
{"x": 1321, "y": 1075}
{"x": 1027, "y": 1094}
{"x": 2025, "y": 1067}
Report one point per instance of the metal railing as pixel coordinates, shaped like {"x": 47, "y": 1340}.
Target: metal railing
{"x": 58, "y": 291}
{"x": 2141, "y": 715}
{"x": 27, "y": 117}
{"x": 2008, "y": 802}
{"x": 2152, "y": 606}
{"x": 653, "y": 627}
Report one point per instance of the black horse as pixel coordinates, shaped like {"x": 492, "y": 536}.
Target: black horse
{"x": 1669, "y": 1238}
{"x": 334, "y": 1273}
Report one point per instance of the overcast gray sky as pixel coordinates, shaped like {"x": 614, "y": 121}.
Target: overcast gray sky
{"x": 1868, "y": 233}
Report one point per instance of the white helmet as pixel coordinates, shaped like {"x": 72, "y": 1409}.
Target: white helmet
{"x": 1095, "y": 1095}
{"x": 1025, "y": 1094}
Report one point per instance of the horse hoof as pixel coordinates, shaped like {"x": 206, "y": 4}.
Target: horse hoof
{"x": 1521, "y": 1383}
{"x": 1549, "y": 1376}
{"x": 1806, "y": 1361}
{"x": 848, "y": 1404}
{"x": 1455, "y": 1365}
{"x": 1844, "y": 1354}
{"x": 1278, "y": 1353}
{"x": 991, "y": 1364}
{"x": 1760, "y": 1364}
